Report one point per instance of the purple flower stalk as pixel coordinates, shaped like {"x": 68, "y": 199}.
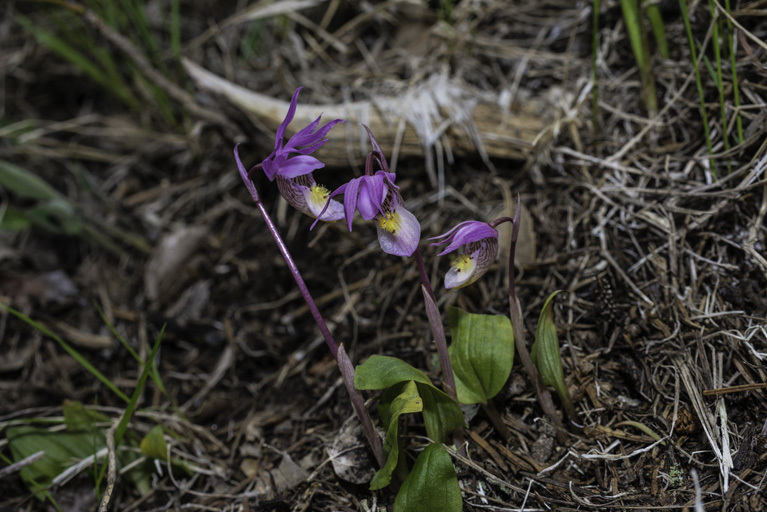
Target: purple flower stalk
{"x": 342, "y": 359}
{"x": 377, "y": 198}
{"x": 480, "y": 242}
{"x": 294, "y": 173}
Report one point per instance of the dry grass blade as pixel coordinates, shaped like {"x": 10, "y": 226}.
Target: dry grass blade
{"x": 708, "y": 420}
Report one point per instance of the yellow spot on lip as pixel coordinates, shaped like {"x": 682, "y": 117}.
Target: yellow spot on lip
{"x": 390, "y": 222}
{"x": 463, "y": 263}
{"x": 319, "y": 195}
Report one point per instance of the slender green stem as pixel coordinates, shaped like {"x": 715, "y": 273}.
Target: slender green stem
{"x": 658, "y": 29}
{"x": 175, "y": 29}
{"x": 632, "y": 16}
{"x": 719, "y": 81}
{"x": 734, "y": 71}
{"x": 594, "y": 68}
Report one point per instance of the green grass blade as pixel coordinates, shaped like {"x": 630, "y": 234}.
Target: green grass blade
{"x": 734, "y": 70}
{"x": 110, "y": 67}
{"x": 25, "y": 183}
{"x": 135, "y": 12}
{"x": 122, "y": 427}
{"x": 719, "y": 80}
{"x": 71, "y": 351}
{"x": 107, "y": 9}
{"x": 638, "y": 38}
{"x": 64, "y": 49}
{"x": 161, "y": 99}
{"x": 658, "y": 29}
{"x": 698, "y": 81}
{"x": 69, "y": 53}
{"x": 154, "y": 372}
{"x": 634, "y": 28}
{"x": 131, "y": 408}
{"x": 594, "y": 69}
{"x": 175, "y": 29}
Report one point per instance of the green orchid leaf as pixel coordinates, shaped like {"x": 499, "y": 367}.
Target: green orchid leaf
{"x": 25, "y": 183}
{"x": 153, "y": 445}
{"x": 62, "y": 449}
{"x": 441, "y": 414}
{"x": 381, "y": 372}
{"x": 77, "y": 417}
{"x": 431, "y": 485}
{"x": 13, "y": 220}
{"x": 56, "y": 215}
{"x": 482, "y": 354}
{"x": 545, "y": 354}
{"x": 407, "y": 401}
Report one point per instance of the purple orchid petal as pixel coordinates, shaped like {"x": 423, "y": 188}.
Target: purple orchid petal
{"x": 350, "y": 200}
{"x": 377, "y": 151}
{"x": 295, "y": 193}
{"x": 271, "y": 165}
{"x": 399, "y": 233}
{"x": 338, "y": 191}
{"x": 455, "y": 228}
{"x": 389, "y": 178}
{"x": 287, "y": 120}
{"x": 304, "y": 142}
{"x": 472, "y": 265}
{"x": 305, "y": 137}
{"x": 465, "y": 233}
{"x": 299, "y": 165}
{"x": 326, "y": 210}
{"x": 372, "y": 195}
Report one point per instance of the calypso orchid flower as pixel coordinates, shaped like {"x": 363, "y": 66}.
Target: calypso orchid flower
{"x": 480, "y": 241}
{"x": 377, "y": 198}
{"x": 294, "y": 173}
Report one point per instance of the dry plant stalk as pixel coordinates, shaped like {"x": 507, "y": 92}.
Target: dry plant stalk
{"x": 438, "y": 111}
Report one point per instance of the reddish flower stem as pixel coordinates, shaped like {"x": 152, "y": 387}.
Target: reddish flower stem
{"x": 342, "y": 359}
{"x": 438, "y": 331}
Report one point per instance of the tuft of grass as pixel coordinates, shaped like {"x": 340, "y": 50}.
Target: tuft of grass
{"x": 632, "y": 16}
{"x": 49, "y": 210}
{"x": 175, "y": 29}
{"x": 152, "y": 369}
{"x": 698, "y": 81}
{"x": 594, "y": 68}
{"x": 99, "y": 66}
{"x": 658, "y": 29}
{"x": 734, "y": 70}
{"x": 718, "y": 78}
{"x": 69, "y": 350}
{"x": 121, "y": 77}
{"x": 85, "y": 432}
{"x": 122, "y": 427}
